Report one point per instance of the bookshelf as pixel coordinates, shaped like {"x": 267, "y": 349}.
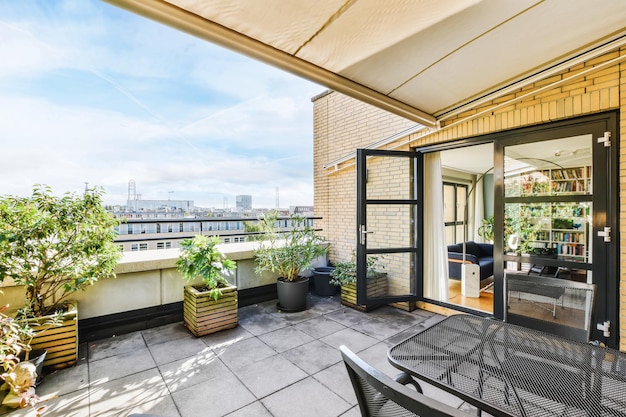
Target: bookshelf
{"x": 551, "y": 228}
{"x": 566, "y": 181}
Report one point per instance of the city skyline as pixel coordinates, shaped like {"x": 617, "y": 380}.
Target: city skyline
{"x": 88, "y": 96}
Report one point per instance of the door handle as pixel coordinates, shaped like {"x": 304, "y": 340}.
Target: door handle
{"x": 363, "y": 234}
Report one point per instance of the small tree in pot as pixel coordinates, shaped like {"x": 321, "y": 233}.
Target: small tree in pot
{"x": 212, "y": 305}
{"x": 54, "y": 246}
{"x": 288, "y": 254}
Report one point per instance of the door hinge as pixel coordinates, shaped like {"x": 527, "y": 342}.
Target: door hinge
{"x": 605, "y": 328}
{"x": 606, "y": 139}
{"x": 606, "y": 234}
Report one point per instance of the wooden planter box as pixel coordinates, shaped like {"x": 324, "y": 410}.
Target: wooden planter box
{"x": 376, "y": 287}
{"x": 60, "y": 342}
{"x": 203, "y": 315}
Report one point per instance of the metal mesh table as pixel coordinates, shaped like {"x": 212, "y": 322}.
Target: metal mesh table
{"x": 507, "y": 370}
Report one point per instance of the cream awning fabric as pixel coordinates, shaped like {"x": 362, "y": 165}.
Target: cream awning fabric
{"x": 420, "y": 59}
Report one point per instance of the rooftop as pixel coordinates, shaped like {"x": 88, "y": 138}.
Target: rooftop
{"x": 272, "y": 364}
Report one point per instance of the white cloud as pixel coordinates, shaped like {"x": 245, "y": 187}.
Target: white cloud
{"x": 91, "y": 93}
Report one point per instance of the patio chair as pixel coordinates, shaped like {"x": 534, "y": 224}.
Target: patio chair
{"x": 527, "y": 297}
{"x": 379, "y": 395}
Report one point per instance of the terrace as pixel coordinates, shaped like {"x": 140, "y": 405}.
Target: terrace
{"x": 272, "y": 364}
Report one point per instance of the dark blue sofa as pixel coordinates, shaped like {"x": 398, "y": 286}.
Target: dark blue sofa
{"x": 480, "y": 254}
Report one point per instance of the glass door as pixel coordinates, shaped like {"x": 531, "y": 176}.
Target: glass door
{"x": 555, "y": 222}
{"x": 388, "y": 226}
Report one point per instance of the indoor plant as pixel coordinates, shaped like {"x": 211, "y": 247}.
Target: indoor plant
{"x": 486, "y": 229}
{"x": 344, "y": 275}
{"x": 54, "y": 246}
{"x": 288, "y": 254}
{"x": 212, "y": 305}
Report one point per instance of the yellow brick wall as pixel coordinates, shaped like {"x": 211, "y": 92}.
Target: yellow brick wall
{"x": 343, "y": 124}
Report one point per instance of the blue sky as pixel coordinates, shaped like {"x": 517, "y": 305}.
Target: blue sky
{"x": 92, "y": 93}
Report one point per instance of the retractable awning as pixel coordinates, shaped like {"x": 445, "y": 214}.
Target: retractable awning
{"x": 420, "y": 59}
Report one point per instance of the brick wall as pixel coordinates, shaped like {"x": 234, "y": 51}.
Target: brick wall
{"x": 342, "y": 124}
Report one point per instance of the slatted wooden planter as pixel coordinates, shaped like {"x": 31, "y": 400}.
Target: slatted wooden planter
{"x": 203, "y": 315}
{"x": 376, "y": 287}
{"x": 60, "y": 342}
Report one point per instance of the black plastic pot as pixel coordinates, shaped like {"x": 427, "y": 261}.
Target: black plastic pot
{"x": 322, "y": 285}
{"x": 36, "y": 357}
{"x": 292, "y": 294}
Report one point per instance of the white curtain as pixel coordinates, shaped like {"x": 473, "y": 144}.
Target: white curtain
{"x": 435, "y": 250}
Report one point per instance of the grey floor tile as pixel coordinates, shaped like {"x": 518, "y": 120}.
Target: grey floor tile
{"x": 337, "y": 380}
{"x": 285, "y": 339}
{"x": 313, "y": 357}
{"x": 349, "y": 317}
{"x": 74, "y": 404}
{"x": 116, "y": 345}
{"x": 244, "y": 353}
{"x": 378, "y": 328}
{"x": 225, "y": 396}
{"x": 292, "y": 318}
{"x": 114, "y": 367}
{"x": 135, "y": 389}
{"x": 256, "y": 409}
{"x": 259, "y": 322}
{"x": 325, "y": 305}
{"x": 269, "y": 375}
{"x": 353, "y": 412}
{"x": 268, "y": 356}
{"x": 268, "y": 306}
{"x": 64, "y": 381}
{"x": 188, "y": 372}
{"x": 354, "y": 340}
{"x": 307, "y": 398}
{"x": 376, "y": 356}
{"x": 177, "y": 349}
{"x": 319, "y": 327}
{"x": 226, "y": 337}
{"x": 166, "y": 333}
{"x": 162, "y": 407}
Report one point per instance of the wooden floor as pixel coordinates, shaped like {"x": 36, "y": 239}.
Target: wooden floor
{"x": 482, "y": 303}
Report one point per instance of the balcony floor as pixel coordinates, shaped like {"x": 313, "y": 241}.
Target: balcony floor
{"x": 272, "y": 364}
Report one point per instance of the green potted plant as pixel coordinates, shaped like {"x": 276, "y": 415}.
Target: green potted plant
{"x": 19, "y": 376}
{"x": 344, "y": 275}
{"x": 54, "y": 246}
{"x": 288, "y": 254}
{"x": 212, "y": 305}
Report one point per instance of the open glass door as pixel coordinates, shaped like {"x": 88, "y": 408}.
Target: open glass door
{"x": 387, "y": 226}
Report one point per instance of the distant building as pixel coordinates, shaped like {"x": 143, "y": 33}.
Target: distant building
{"x": 301, "y": 210}
{"x": 160, "y": 205}
{"x": 244, "y": 202}
{"x": 139, "y": 234}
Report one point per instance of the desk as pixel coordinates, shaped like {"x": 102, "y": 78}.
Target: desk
{"x": 507, "y": 370}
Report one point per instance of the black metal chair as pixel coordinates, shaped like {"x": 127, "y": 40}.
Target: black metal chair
{"x": 379, "y": 395}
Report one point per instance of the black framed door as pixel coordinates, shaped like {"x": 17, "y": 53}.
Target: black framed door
{"x": 557, "y": 210}
{"x": 388, "y": 225}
